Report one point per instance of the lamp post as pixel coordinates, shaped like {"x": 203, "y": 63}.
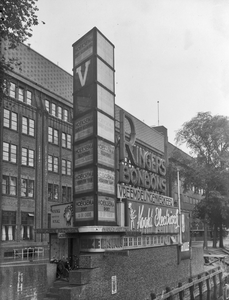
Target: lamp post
{"x": 179, "y": 206}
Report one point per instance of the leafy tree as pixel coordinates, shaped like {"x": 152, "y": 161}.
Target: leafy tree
{"x": 207, "y": 137}
{"x": 17, "y": 19}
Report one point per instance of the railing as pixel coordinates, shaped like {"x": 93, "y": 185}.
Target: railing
{"x": 206, "y": 279}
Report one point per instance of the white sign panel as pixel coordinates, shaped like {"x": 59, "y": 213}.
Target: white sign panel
{"x": 106, "y": 181}
{"x": 84, "y": 180}
{"x": 105, "y": 127}
{"x": 62, "y": 215}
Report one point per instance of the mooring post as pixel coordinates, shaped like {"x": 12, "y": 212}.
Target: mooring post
{"x": 208, "y": 282}
{"x": 191, "y": 289}
{"x": 200, "y": 284}
{"x": 181, "y": 293}
{"x": 214, "y": 282}
{"x": 153, "y": 296}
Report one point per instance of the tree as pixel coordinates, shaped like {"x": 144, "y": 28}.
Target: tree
{"x": 207, "y": 137}
{"x": 17, "y": 19}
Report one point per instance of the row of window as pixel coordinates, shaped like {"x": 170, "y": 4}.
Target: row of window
{"x": 53, "y": 165}
{"x": 53, "y": 137}
{"x": 57, "y": 111}
{"x": 9, "y": 225}
{"x": 54, "y": 193}
{"x": 24, "y": 95}
{"x": 10, "y": 120}
{"x": 10, "y": 154}
{"x": 28, "y": 159}
{"x": 19, "y": 93}
{"x": 9, "y": 186}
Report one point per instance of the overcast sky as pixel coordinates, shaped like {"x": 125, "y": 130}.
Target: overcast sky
{"x": 172, "y": 51}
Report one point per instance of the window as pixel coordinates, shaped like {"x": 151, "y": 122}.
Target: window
{"x": 10, "y": 119}
{"x": 28, "y": 126}
{"x": 9, "y": 185}
{"x": 21, "y": 94}
{"x": 65, "y": 115}
{"x": 53, "y": 192}
{"x": 53, "y": 109}
{"x": 27, "y": 157}
{"x": 59, "y": 112}
{"x": 66, "y": 167}
{"x": 69, "y": 141}
{"x": 27, "y": 188}
{"x": 27, "y": 225}
{"x": 66, "y": 194}
{"x": 53, "y": 163}
{"x": 53, "y": 136}
{"x": 47, "y": 105}
{"x": 9, "y": 152}
{"x": 8, "y": 225}
{"x": 66, "y": 140}
{"x": 12, "y": 90}
{"x": 28, "y": 97}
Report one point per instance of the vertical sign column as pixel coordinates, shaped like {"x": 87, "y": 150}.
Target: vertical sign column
{"x": 94, "y": 131}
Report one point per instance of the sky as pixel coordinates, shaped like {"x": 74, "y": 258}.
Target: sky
{"x": 171, "y": 56}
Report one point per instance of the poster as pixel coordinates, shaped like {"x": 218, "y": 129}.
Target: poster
{"x": 106, "y": 181}
{"x": 106, "y": 154}
{"x": 83, "y": 180}
{"x": 106, "y": 209}
{"x": 84, "y": 208}
{"x": 83, "y": 153}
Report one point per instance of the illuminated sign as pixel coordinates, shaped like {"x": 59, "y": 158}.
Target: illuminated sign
{"x": 62, "y": 215}
{"x": 105, "y": 49}
{"x": 106, "y": 154}
{"x": 105, "y": 101}
{"x": 83, "y": 127}
{"x": 145, "y": 169}
{"x": 106, "y": 208}
{"x": 136, "y": 194}
{"x": 84, "y": 208}
{"x": 149, "y": 218}
{"x": 83, "y": 153}
{"x": 106, "y": 181}
{"x": 105, "y": 127}
{"x": 83, "y": 180}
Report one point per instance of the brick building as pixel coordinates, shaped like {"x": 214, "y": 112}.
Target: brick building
{"x": 36, "y": 150}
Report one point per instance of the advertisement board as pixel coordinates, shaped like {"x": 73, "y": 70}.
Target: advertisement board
{"x": 84, "y": 208}
{"x": 105, "y": 127}
{"x": 83, "y": 127}
{"x": 83, "y": 180}
{"x": 106, "y": 209}
{"x": 62, "y": 215}
{"x": 83, "y": 153}
{"x": 83, "y": 49}
{"x": 105, "y": 75}
{"x": 105, "y": 101}
{"x": 149, "y": 218}
{"x": 106, "y": 181}
{"x": 105, "y": 49}
{"x": 106, "y": 154}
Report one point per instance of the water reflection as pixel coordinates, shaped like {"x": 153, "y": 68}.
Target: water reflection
{"x": 215, "y": 294}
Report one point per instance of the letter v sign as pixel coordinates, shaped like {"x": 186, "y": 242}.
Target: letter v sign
{"x": 81, "y": 77}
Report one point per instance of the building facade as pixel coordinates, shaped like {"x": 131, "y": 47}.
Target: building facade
{"x": 36, "y": 150}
